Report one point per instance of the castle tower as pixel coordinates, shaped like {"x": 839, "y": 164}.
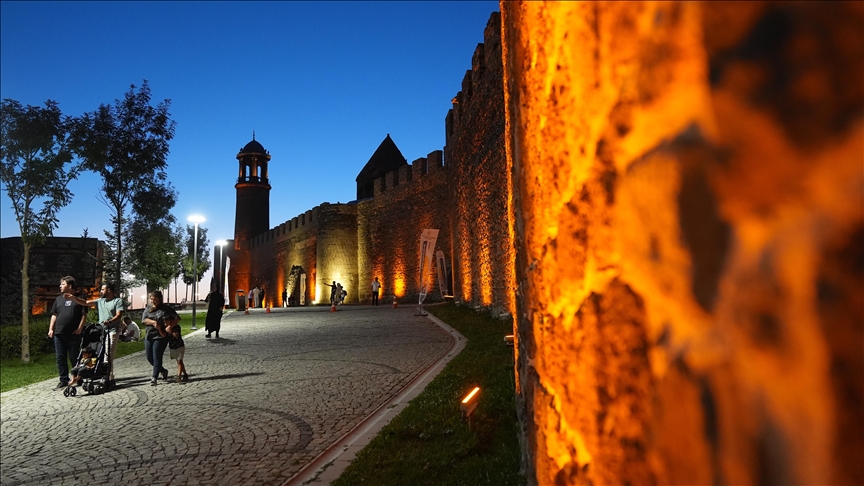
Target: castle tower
{"x": 253, "y": 193}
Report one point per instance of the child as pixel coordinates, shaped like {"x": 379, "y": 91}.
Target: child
{"x": 88, "y": 361}
{"x": 178, "y": 349}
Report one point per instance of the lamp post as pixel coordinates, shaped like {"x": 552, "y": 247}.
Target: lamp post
{"x": 220, "y": 245}
{"x": 195, "y": 219}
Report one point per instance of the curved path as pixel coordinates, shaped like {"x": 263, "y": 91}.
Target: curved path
{"x": 275, "y": 393}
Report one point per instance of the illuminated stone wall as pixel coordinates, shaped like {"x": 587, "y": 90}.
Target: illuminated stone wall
{"x": 690, "y": 240}
{"x": 479, "y": 181}
{"x": 405, "y": 203}
{"x": 337, "y": 250}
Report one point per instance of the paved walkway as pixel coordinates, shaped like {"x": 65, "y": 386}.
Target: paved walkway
{"x": 275, "y": 393}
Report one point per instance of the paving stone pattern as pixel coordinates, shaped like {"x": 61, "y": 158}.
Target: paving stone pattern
{"x": 264, "y": 400}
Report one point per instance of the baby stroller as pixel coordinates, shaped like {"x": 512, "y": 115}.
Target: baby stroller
{"x": 96, "y": 379}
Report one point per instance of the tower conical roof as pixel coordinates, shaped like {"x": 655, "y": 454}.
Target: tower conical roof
{"x": 386, "y": 158}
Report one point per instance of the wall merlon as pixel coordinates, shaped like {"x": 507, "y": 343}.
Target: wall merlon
{"x": 388, "y": 180}
{"x": 419, "y": 167}
{"x": 435, "y": 161}
{"x": 466, "y": 86}
{"x": 478, "y": 62}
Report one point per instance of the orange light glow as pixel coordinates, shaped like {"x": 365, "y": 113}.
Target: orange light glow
{"x": 471, "y": 395}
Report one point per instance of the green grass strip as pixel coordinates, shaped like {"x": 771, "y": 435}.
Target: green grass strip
{"x": 15, "y": 374}
{"x": 428, "y": 442}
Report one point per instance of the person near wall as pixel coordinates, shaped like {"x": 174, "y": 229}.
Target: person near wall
{"x": 67, "y": 322}
{"x": 376, "y": 286}
{"x": 261, "y": 296}
{"x": 285, "y": 297}
{"x": 253, "y": 297}
{"x": 157, "y": 318}
{"x": 332, "y": 292}
{"x": 216, "y": 301}
{"x": 110, "y": 307}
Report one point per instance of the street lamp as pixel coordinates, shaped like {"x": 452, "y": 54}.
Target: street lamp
{"x": 220, "y": 245}
{"x": 195, "y": 219}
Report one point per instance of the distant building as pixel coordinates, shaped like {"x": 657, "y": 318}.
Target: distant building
{"x": 49, "y": 262}
{"x": 462, "y": 191}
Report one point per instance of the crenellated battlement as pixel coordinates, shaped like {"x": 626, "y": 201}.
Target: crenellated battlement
{"x": 433, "y": 163}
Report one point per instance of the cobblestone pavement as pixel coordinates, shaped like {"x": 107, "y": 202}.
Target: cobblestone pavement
{"x": 264, "y": 400}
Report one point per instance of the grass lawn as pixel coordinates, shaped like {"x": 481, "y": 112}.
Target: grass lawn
{"x": 428, "y": 443}
{"x": 15, "y": 374}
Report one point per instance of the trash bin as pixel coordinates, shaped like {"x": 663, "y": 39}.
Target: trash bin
{"x": 240, "y": 300}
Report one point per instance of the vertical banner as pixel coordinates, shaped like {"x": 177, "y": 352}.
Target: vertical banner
{"x": 302, "y": 289}
{"x": 427, "y": 246}
{"x": 442, "y": 274}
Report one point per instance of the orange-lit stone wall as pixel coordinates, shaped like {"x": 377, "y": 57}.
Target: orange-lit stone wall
{"x": 479, "y": 181}
{"x": 337, "y": 250}
{"x": 389, "y": 224}
{"x": 688, "y": 196}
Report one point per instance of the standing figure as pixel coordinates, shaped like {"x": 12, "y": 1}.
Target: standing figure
{"x": 111, "y": 309}
{"x": 332, "y": 292}
{"x": 285, "y": 297}
{"x": 178, "y": 350}
{"x": 214, "y": 313}
{"x": 157, "y": 317}
{"x": 261, "y": 296}
{"x": 67, "y": 323}
{"x": 376, "y": 286}
{"x": 253, "y": 297}
{"x": 337, "y": 299}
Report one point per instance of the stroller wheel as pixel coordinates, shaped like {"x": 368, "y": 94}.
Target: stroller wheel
{"x": 66, "y": 392}
{"x": 73, "y": 392}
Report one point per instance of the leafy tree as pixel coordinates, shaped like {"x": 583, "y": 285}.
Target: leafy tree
{"x": 125, "y": 143}
{"x": 188, "y": 271}
{"x": 154, "y": 235}
{"x": 36, "y": 170}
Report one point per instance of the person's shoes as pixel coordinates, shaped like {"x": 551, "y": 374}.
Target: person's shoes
{"x": 61, "y": 385}
{"x": 217, "y": 335}
{"x": 152, "y": 381}
{"x": 164, "y": 374}
{"x": 208, "y": 335}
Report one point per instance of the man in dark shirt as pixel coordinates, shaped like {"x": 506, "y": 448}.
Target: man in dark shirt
{"x": 67, "y": 323}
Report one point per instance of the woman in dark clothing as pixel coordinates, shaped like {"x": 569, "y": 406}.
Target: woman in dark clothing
{"x": 214, "y": 313}
{"x": 157, "y": 317}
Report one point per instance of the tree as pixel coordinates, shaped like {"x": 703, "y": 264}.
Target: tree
{"x": 188, "y": 271}
{"x": 36, "y": 171}
{"x": 154, "y": 235}
{"x": 125, "y": 143}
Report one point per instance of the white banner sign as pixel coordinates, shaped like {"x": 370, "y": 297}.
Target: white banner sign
{"x": 442, "y": 273}
{"x": 427, "y": 247}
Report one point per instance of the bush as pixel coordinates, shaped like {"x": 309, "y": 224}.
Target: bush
{"x": 10, "y": 338}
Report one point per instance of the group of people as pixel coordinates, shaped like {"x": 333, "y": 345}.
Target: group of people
{"x": 256, "y": 297}
{"x": 337, "y": 293}
{"x": 162, "y": 331}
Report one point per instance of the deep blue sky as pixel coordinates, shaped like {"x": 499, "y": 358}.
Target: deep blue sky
{"x": 320, "y": 83}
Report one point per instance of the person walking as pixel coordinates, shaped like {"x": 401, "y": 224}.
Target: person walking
{"x": 67, "y": 323}
{"x": 110, "y": 308}
{"x": 157, "y": 317}
{"x": 376, "y": 286}
{"x": 214, "y": 313}
{"x": 178, "y": 350}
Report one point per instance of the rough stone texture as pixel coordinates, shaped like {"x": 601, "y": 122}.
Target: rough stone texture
{"x": 479, "y": 181}
{"x": 688, "y": 185}
{"x": 389, "y": 227}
